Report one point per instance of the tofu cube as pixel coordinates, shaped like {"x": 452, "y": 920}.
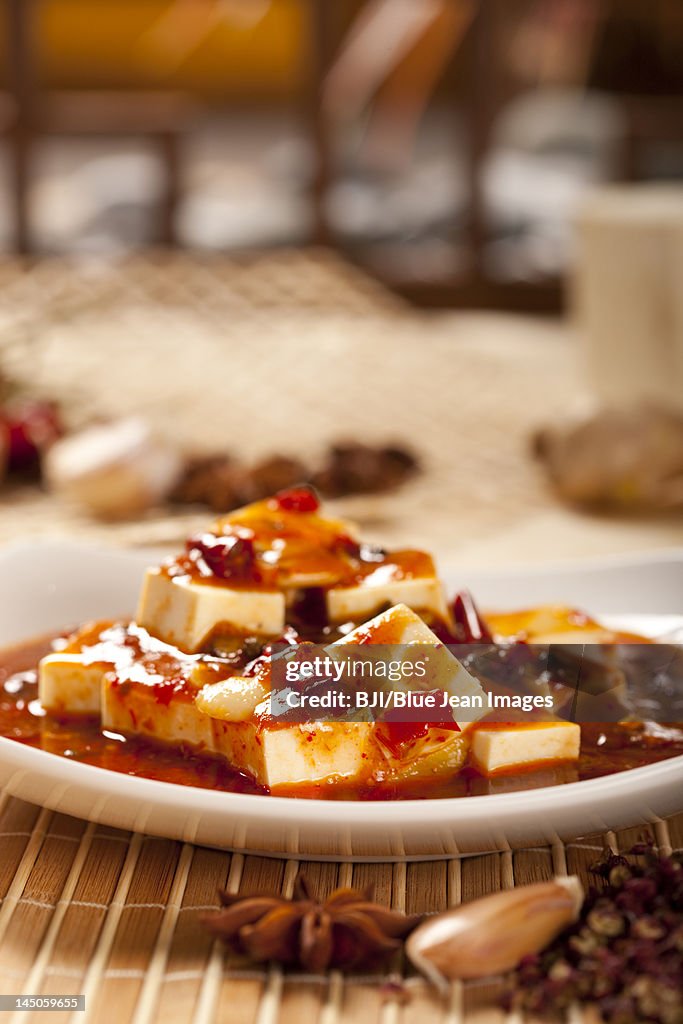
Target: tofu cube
{"x": 182, "y": 612}
{"x": 285, "y": 757}
{"x": 69, "y": 686}
{"x": 317, "y": 752}
{"x": 359, "y": 602}
{"x": 134, "y": 708}
{"x": 400, "y": 626}
{"x": 504, "y": 747}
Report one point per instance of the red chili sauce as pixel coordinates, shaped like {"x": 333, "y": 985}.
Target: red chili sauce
{"x": 605, "y": 748}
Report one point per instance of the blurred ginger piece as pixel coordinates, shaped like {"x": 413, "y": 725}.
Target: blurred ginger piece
{"x": 622, "y": 460}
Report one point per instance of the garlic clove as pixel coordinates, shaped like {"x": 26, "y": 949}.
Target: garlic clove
{"x": 491, "y": 935}
{"x": 114, "y": 470}
{"x": 230, "y": 700}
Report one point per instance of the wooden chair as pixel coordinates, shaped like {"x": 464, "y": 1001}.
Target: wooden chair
{"x": 164, "y": 118}
{"x": 486, "y": 93}
{"x": 484, "y": 99}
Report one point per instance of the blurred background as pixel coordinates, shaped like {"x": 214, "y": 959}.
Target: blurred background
{"x": 279, "y": 188}
{"x": 442, "y": 144}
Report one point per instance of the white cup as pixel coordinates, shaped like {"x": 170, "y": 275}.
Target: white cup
{"x": 628, "y": 293}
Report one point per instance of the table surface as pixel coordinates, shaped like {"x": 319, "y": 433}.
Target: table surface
{"x": 300, "y": 347}
{"x": 288, "y": 352}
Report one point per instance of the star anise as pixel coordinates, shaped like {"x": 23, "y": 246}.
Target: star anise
{"x": 346, "y": 930}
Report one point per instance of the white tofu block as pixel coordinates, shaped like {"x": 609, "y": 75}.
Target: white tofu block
{"x": 68, "y": 686}
{"x": 517, "y": 746}
{"x": 134, "y": 708}
{"x": 241, "y": 744}
{"x": 359, "y": 602}
{"x": 183, "y": 613}
{"x": 283, "y": 754}
{"x": 295, "y": 755}
{"x": 402, "y": 627}
{"x": 317, "y": 752}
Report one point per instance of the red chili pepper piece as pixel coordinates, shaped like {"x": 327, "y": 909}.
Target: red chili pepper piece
{"x": 310, "y": 607}
{"x": 31, "y": 428}
{"x": 165, "y": 691}
{"x": 399, "y": 726}
{"x": 229, "y": 558}
{"x": 395, "y": 735}
{"x": 470, "y": 627}
{"x": 298, "y": 499}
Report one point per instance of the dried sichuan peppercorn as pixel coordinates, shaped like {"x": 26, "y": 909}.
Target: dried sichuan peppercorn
{"x": 213, "y": 480}
{"x": 355, "y": 468}
{"x": 625, "y": 953}
{"x": 275, "y": 473}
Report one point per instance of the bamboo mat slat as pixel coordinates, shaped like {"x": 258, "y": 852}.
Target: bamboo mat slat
{"x": 90, "y": 909}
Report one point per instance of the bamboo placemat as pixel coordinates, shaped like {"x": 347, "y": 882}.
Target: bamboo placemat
{"x": 87, "y": 909}
{"x": 320, "y": 352}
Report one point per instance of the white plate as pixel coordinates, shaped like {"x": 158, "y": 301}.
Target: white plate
{"x": 52, "y": 585}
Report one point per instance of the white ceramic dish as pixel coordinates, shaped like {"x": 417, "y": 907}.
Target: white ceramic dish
{"x": 52, "y": 585}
